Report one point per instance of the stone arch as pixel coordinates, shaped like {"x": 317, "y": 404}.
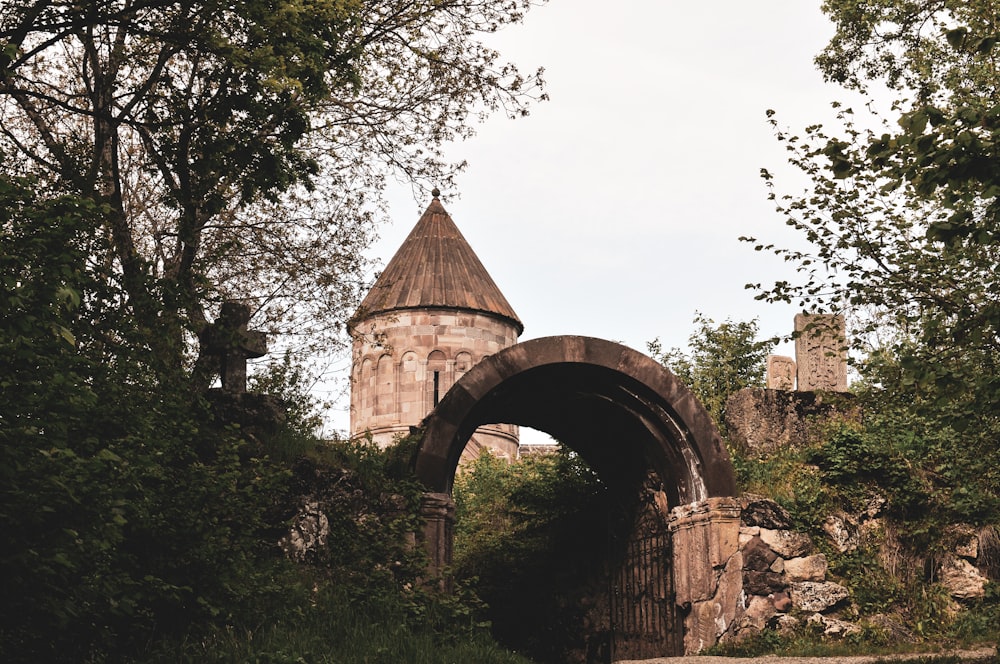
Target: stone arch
{"x": 620, "y": 410}
{"x": 632, "y": 420}
{"x": 463, "y": 362}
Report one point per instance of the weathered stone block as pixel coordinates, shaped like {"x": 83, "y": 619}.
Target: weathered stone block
{"x": 764, "y": 512}
{"x": 758, "y": 556}
{"x": 763, "y": 583}
{"x": 808, "y": 568}
{"x": 747, "y": 533}
{"x": 815, "y": 596}
{"x": 757, "y": 614}
{"x": 761, "y": 421}
{"x": 780, "y": 372}
{"x": 307, "y": 534}
{"x": 821, "y": 352}
{"x": 961, "y": 578}
{"x": 787, "y": 543}
{"x": 786, "y": 623}
{"x": 842, "y": 531}
{"x": 705, "y": 536}
{"x": 782, "y": 602}
{"x": 966, "y": 540}
{"x": 832, "y": 627}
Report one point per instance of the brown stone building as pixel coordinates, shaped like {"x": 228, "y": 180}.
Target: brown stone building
{"x": 432, "y": 314}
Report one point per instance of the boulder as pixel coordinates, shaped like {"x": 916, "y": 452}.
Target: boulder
{"x": 782, "y": 602}
{"x": 763, "y": 583}
{"x": 816, "y": 596}
{"x": 764, "y": 512}
{"x": 806, "y": 568}
{"x": 762, "y": 421}
{"x": 747, "y": 533}
{"x": 961, "y": 578}
{"x": 874, "y": 505}
{"x": 966, "y": 540}
{"x": 757, "y": 614}
{"x": 308, "y": 533}
{"x": 841, "y": 530}
{"x": 758, "y": 556}
{"x": 787, "y": 543}
{"x": 832, "y": 627}
{"x": 786, "y": 623}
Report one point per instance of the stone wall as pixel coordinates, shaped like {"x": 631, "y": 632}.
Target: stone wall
{"x": 783, "y": 575}
{"x": 740, "y": 568}
{"x": 763, "y": 421}
{"x": 405, "y": 362}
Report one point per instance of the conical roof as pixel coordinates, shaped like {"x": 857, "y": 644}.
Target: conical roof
{"x": 436, "y": 268}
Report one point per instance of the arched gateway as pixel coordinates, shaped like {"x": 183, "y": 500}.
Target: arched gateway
{"x": 632, "y": 421}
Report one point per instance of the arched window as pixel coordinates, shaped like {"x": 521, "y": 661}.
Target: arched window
{"x": 436, "y": 364}
{"x": 463, "y": 362}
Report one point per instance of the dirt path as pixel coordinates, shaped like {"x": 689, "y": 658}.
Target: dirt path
{"x": 984, "y": 655}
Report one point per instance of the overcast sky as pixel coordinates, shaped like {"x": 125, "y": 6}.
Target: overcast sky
{"x": 614, "y": 209}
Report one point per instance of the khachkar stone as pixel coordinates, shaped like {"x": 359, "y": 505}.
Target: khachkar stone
{"x": 821, "y": 352}
{"x": 231, "y": 344}
{"x": 780, "y": 372}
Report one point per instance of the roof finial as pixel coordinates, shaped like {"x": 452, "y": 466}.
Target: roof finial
{"x": 435, "y": 192}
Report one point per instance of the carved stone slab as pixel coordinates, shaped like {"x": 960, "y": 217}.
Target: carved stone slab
{"x": 821, "y": 352}
{"x": 780, "y": 372}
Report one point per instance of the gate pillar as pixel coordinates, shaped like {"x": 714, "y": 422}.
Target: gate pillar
{"x": 438, "y": 512}
{"x": 708, "y": 568}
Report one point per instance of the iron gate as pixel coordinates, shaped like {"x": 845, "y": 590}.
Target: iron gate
{"x": 644, "y": 618}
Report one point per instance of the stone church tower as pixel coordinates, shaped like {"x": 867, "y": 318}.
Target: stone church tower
{"x": 432, "y": 314}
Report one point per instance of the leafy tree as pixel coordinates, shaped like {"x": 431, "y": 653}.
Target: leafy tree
{"x": 900, "y": 225}
{"x": 723, "y": 359}
{"x": 236, "y": 147}
{"x": 130, "y": 513}
{"x": 902, "y": 222}
{"x": 532, "y": 538}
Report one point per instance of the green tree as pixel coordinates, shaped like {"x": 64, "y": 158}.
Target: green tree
{"x": 125, "y": 511}
{"x": 723, "y": 359}
{"x": 531, "y": 538}
{"x": 238, "y": 148}
{"x": 902, "y": 222}
{"x": 901, "y": 230}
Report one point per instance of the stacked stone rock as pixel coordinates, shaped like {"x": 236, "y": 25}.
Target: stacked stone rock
{"x": 784, "y": 575}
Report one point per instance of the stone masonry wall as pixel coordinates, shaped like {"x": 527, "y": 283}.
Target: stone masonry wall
{"x": 405, "y": 361}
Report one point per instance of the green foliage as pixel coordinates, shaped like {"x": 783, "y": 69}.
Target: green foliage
{"x": 902, "y": 221}
{"x": 126, "y": 511}
{"x": 901, "y": 230}
{"x": 139, "y": 529}
{"x": 723, "y": 359}
{"x": 240, "y": 149}
{"x": 325, "y": 626}
{"x": 289, "y": 381}
{"x": 530, "y": 537}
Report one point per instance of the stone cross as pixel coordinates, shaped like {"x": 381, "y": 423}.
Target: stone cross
{"x": 821, "y": 352}
{"x": 780, "y": 372}
{"x": 232, "y": 344}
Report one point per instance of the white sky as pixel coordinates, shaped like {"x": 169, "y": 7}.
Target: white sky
{"x": 614, "y": 209}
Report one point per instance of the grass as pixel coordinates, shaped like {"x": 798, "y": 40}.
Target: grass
{"x": 335, "y": 630}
